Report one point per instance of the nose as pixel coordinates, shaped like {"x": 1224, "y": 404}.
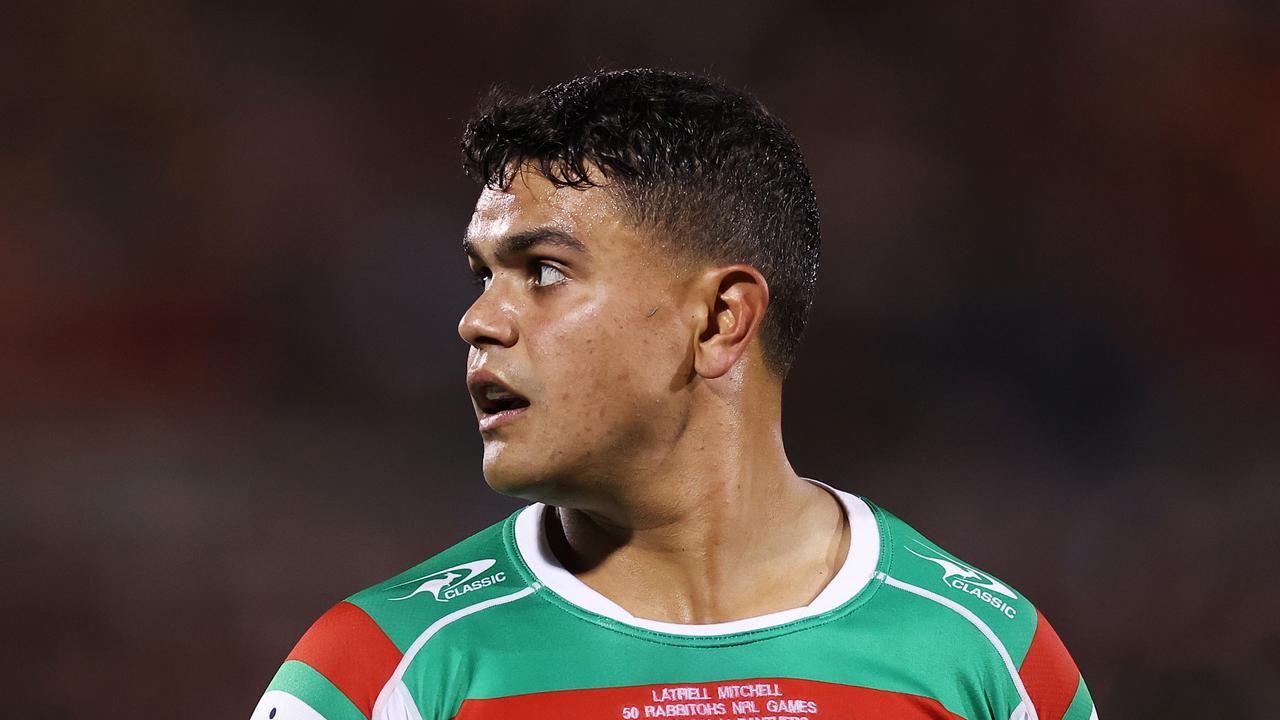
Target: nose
{"x": 489, "y": 321}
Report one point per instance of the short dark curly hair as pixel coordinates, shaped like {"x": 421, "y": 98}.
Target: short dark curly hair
{"x": 706, "y": 167}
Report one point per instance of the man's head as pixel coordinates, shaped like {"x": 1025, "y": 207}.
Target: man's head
{"x": 633, "y": 229}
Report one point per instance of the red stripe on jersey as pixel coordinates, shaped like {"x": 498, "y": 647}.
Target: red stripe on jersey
{"x": 347, "y": 647}
{"x": 1049, "y": 673}
{"x": 770, "y": 697}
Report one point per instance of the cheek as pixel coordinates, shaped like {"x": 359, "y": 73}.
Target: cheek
{"x": 602, "y": 363}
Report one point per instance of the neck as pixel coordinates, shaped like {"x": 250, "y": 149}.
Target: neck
{"x": 717, "y": 528}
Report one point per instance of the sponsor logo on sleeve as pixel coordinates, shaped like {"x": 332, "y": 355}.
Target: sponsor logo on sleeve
{"x": 970, "y": 581}
{"x": 450, "y": 583}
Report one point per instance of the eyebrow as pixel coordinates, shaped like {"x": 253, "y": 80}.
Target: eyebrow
{"x": 517, "y": 243}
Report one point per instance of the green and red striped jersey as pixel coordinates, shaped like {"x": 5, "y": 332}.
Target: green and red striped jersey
{"x": 496, "y": 628}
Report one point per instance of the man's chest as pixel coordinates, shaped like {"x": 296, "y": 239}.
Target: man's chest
{"x": 757, "y": 698}
{"x": 821, "y": 675}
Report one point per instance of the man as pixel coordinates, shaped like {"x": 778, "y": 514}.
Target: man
{"x": 647, "y": 248}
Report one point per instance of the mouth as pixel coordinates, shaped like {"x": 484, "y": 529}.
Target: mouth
{"x": 497, "y": 403}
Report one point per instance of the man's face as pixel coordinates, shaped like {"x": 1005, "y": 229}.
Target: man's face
{"x": 580, "y": 349}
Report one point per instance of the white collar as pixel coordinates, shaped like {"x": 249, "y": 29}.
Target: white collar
{"x": 858, "y": 569}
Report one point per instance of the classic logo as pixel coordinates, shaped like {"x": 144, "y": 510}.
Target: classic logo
{"x": 971, "y": 581}
{"x": 453, "y": 582}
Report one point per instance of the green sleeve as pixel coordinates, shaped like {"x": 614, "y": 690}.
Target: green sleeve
{"x": 1081, "y": 707}
{"x": 297, "y": 692}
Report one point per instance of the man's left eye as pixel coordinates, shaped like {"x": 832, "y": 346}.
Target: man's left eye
{"x": 549, "y": 274}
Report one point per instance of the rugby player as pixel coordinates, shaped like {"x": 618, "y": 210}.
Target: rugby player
{"x": 646, "y": 246}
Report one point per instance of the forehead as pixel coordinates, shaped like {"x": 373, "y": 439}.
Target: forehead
{"x": 531, "y": 201}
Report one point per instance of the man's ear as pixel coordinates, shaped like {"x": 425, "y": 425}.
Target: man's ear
{"x": 733, "y": 300}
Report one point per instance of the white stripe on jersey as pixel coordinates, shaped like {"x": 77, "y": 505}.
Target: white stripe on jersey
{"x": 395, "y": 702}
{"x": 1030, "y": 710}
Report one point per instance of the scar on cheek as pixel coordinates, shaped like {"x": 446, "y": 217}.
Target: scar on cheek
{"x": 652, "y": 312}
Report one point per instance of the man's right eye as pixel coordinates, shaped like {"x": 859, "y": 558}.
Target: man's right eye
{"x": 481, "y": 278}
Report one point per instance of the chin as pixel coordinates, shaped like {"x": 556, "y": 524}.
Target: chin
{"x": 533, "y": 479}
{"x": 511, "y": 476}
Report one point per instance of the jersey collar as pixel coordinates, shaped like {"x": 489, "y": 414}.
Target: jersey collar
{"x": 854, "y": 575}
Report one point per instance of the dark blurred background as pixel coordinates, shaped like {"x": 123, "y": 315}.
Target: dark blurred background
{"x": 1048, "y": 331}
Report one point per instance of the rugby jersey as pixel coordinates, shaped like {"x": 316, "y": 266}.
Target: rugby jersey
{"x": 496, "y": 628}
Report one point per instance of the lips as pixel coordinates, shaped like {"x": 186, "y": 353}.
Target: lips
{"x": 497, "y": 402}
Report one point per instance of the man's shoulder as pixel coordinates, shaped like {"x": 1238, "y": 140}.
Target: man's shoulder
{"x": 955, "y": 591}
{"x": 966, "y": 605}
{"x": 344, "y": 660}
{"x": 478, "y": 568}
